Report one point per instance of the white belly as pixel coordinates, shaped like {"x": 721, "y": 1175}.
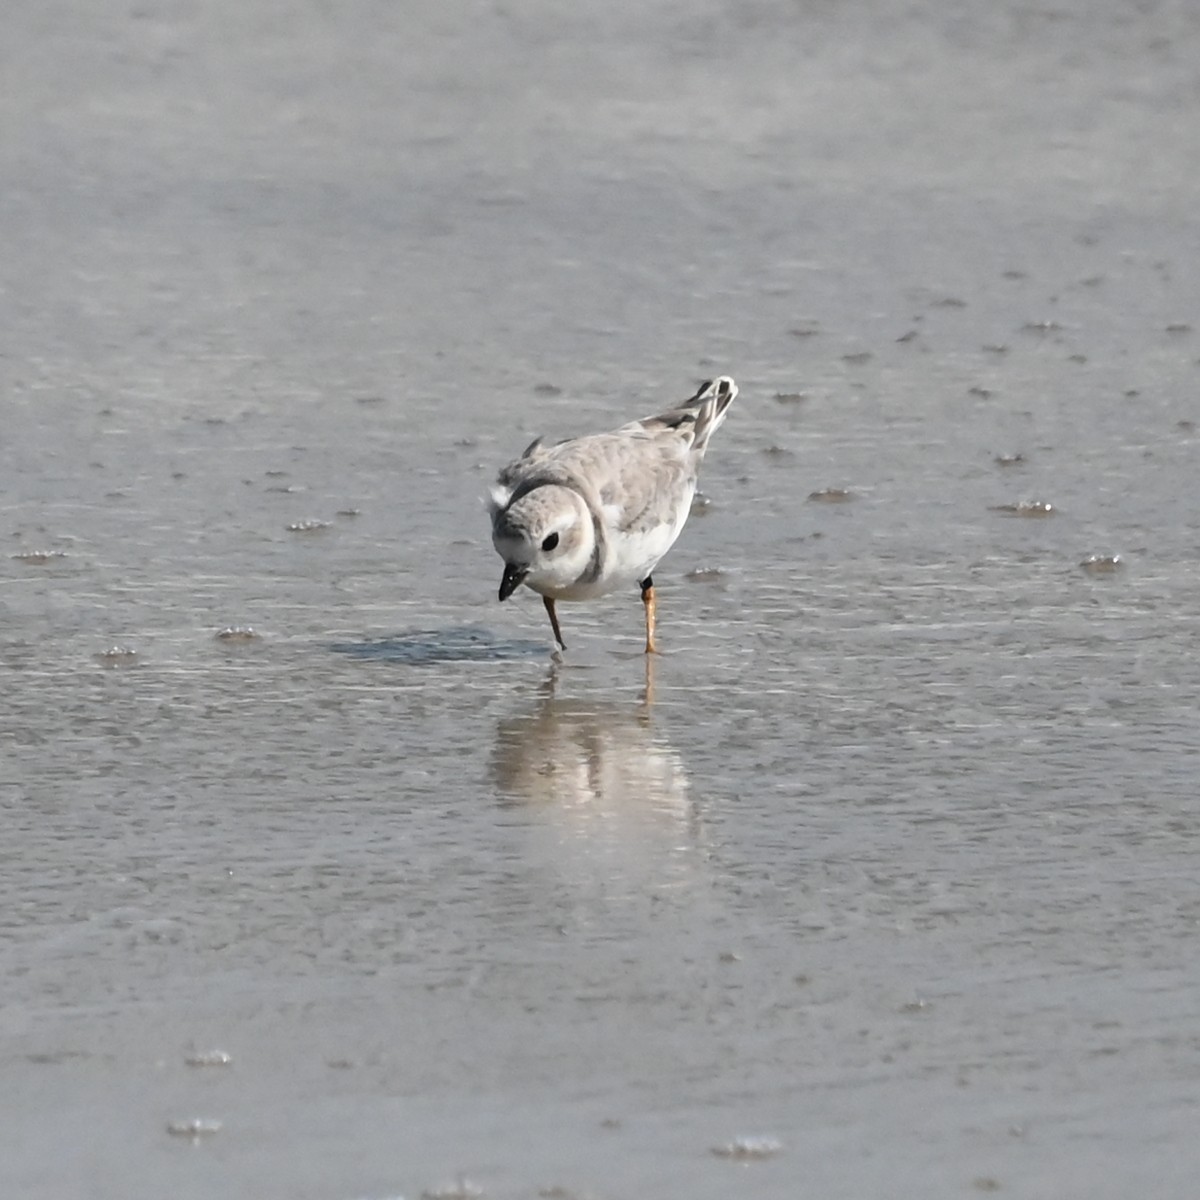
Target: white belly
{"x": 633, "y": 555}
{"x": 630, "y": 559}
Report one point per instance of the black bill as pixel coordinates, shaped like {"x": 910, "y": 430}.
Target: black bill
{"x": 513, "y": 577}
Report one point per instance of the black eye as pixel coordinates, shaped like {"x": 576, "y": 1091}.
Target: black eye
{"x": 550, "y": 542}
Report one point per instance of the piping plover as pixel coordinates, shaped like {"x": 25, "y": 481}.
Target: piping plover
{"x": 587, "y": 516}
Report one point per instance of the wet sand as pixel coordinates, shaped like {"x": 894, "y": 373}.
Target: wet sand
{"x": 891, "y": 862}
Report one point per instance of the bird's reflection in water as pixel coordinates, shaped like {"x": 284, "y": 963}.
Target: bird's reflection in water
{"x": 602, "y": 777}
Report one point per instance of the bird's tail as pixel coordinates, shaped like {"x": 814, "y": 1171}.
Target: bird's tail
{"x": 710, "y": 404}
{"x": 696, "y": 418}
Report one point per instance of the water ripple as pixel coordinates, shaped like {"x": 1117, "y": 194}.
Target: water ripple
{"x": 427, "y": 647}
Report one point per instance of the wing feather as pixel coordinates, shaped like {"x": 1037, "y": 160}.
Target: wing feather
{"x": 639, "y": 476}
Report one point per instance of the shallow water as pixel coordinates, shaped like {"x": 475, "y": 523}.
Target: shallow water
{"x": 890, "y": 856}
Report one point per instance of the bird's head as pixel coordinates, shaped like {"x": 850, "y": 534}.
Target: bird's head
{"x": 546, "y": 539}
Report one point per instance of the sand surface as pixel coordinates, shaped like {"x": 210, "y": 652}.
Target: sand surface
{"x": 892, "y": 860}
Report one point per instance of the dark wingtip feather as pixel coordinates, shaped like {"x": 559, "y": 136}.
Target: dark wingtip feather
{"x": 714, "y": 398}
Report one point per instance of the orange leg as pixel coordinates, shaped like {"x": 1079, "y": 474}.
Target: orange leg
{"x": 648, "y": 602}
{"x": 648, "y": 694}
{"x": 554, "y": 622}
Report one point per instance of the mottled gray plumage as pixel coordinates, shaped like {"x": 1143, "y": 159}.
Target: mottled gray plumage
{"x": 643, "y": 469}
